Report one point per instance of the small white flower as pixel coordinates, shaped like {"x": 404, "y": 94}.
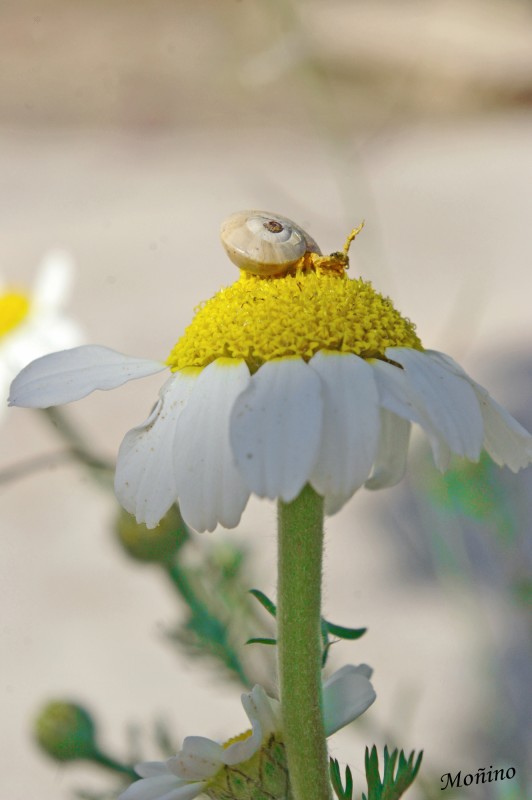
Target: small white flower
{"x": 203, "y": 766}
{"x": 33, "y": 324}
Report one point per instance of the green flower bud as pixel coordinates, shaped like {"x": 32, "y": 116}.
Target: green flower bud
{"x": 66, "y": 731}
{"x": 155, "y": 545}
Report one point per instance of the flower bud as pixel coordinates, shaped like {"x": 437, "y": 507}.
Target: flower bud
{"x": 65, "y": 731}
{"x": 155, "y": 545}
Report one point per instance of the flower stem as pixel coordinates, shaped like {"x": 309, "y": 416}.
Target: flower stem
{"x": 117, "y": 766}
{"x": 300, "y": 553}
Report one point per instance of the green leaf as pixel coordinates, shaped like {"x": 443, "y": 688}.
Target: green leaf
{"x": 336, "y": 780}
{"x": 261, "y": 641}
{"x": 398, "y": 775}
{"x": 265, "y": 601}
{"x": 327, "y": 628}
{"x": 348, "y": 783}
{"x": 325, "y": 654}
{"x": 344, "y": 633}
{"x": 372, "y": 774}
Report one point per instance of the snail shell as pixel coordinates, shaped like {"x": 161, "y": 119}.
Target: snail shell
{"x": 265, "y": 244}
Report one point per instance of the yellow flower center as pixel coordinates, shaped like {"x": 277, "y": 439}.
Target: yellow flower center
{"x": 259, "y": 319}
{"x": 14, "y": 307}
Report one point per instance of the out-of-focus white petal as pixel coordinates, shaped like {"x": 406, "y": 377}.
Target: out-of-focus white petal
{"x": 53, "y": 282}
{"x": 350, "y": 424}
{"x": 5, "y": 380}
{"x": 505, "y": 439}
{"x": 36, "y": 338}
{"x": 144, "y": 480}
{"x": 186, "y": 792}
{"x": 162, "y": 787}
{"x": 333, "y": 503}
{"x": 210, "y": 487}
{"x": 199, "y": 759}
{"x": 149, "y": 769}
{"x": 390, "y": 461}
{"x": 346, "y": 695}
{"x": 51, "y": 335}
{"x": 72, "y": 374}
{"x": 276, "y": 428}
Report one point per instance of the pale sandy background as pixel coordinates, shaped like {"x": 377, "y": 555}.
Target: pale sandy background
{"x": 128, "y": 132}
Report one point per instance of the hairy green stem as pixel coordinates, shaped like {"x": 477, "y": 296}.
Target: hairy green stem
{"x": 300, "y": 554}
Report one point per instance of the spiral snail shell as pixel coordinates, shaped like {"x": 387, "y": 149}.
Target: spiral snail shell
{"x": 265, "y": 244}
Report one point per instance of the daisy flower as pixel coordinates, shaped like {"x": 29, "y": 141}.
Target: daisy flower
{"x": 33, "y": 323}
{"x": 293, "y": 375}
{"x": 254, "y": 763}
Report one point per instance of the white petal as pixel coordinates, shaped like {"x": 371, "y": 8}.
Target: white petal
{"x": 449, "y": 363}
{"x": 35, "y": 338}
{"x": 53, "y": 282}
{"x": 346, "y": 695}
{"x": 186, "y": 792}
{"x": 276, "y": 428}
{"x": 162, "y": 787}
{"x": 506, "y": 441}
{"x": 390, "y": 461}
{"x": 5, "y": 380}
{"x": 72, "y": 374}
{"x": 52, "y": 334}
{"x": 333, "y": 503}
{"x": 447, "y": 400}
{"x": 350, "y": 424}
{"x": 210, "y": 488}
{"x": 443, "y": 403}
{"x": 338, "y": 677}
{"x": 264, "y": 716}
{"x": 244, "y": 749}
{"x": 149, "y": 769}
{"x": 258, "y": 705}
{"x": 362, "y": 669}
{"x": 396, "y": 397}
{"x": 144, "y": 480}
{"x": 199, "y": 759}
